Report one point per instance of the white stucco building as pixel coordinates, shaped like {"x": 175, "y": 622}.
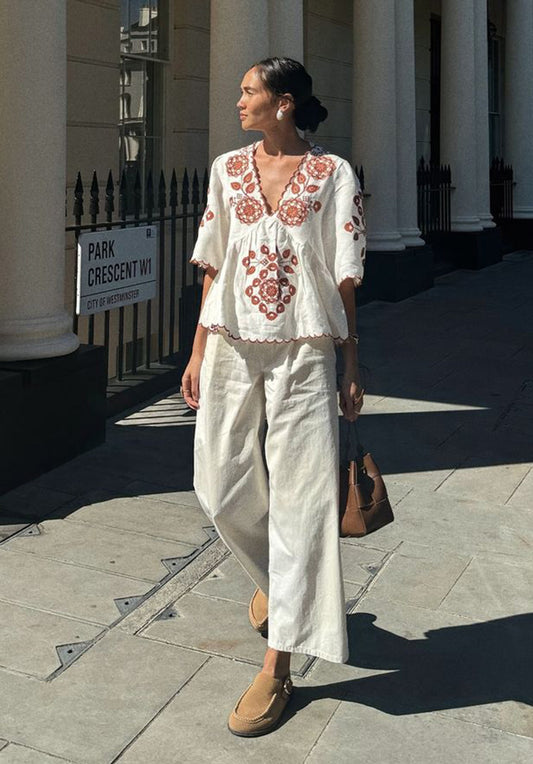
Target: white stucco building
{"x": 448, "y": 80}
{"x": 153, "y": 84}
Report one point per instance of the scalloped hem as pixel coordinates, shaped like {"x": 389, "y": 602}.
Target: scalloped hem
{"x": 215, "y": 328}
{"x": 357, "y": 279}
{"x": 203, "y": 264}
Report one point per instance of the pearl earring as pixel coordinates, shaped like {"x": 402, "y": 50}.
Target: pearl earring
{"x": 279, "y": 114}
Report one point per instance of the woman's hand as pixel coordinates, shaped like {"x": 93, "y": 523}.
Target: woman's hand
{"x": 190, "y": 382}
{"x": 351, "y": 396}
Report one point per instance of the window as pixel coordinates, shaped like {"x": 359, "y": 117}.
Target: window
{"x": 144, "y": 55}
{"x": 495, "y": 46}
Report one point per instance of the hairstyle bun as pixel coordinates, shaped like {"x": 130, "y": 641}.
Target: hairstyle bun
{"x": 310, "y": 114}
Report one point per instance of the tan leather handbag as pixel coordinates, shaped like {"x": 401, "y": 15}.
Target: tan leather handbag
{"x": 364, "y": 506}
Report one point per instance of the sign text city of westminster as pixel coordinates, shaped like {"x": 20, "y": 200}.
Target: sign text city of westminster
{"x": 115, "y": 268}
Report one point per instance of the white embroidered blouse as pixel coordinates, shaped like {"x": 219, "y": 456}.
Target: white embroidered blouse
{"x": 278, "y": 272}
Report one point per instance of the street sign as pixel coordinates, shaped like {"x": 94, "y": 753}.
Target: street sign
{"x": 115, "y": 268}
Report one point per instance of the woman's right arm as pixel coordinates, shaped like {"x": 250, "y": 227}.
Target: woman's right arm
{"x": 190, "y": 381}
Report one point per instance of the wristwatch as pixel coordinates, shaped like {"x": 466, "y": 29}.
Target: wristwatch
{"x": 354, "y": 337}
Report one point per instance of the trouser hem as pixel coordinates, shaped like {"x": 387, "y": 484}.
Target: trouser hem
{"x": 308, "y": 650}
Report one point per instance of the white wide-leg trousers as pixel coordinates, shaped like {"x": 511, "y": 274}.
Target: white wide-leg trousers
{"x": 279, "y": 518}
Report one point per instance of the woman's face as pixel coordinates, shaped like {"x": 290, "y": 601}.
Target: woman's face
{"x": 256, "y": 105}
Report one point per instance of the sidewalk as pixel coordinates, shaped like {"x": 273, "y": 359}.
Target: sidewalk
{"x": 123, "y": 619}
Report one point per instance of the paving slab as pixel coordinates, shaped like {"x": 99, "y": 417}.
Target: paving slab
{"x": 96, "y": 707}
{"x": 28, "y": 638}
{"x": 360, "y": 563}
{"x": 419, "y": 575}
{"x": 523, "y": 494}
{"x": 132, "y": 462}
{"x": 33, "y": 500}
{"x": 80, "y": 592}
{"x": 161, "y": 519}
{"x": 407, "y": 660}
{"x": 493, "y": 483}
{"x": 144, "y": 490}
{"x": 369, "y": 735}
{"x": 194, "y": 723}
{"x": 482, "y": 591}
{"x": 219, "y": 627}
{"x": 463, "y": 526}
{"x": 228, "y": 581}
{"x": 11, "y": 524}
{"x": 78, "y": 477}
{"x": 123, "y": 552}
{"x": 21, "y": 754}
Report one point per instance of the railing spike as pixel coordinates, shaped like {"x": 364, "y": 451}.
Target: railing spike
{"x": 110, "y": 195}
{"x": 161, "y": 192}
{"x": 173, "y": 200}
{"x": 205, "y": 186}
{"x": 195, "y": 188}
{"x": 149, "y": 192}
{"x": 94, "y": 205}
{"x": 123, "y": 195}
{"x": 185, "y": 188}
{"x": 78, "y": 197}
{"x": 137, "y": 194}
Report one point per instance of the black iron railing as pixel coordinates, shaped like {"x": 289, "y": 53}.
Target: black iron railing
{"x": 127, "y": 331}
{"x": 501, "y": 190}
{"x": 433, "y": 196}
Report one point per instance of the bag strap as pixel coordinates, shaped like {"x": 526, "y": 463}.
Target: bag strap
{"x": 355, "y": 445}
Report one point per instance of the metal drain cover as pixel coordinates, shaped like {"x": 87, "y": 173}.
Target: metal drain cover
{"x": 127, "y": 604}
{"x": 69, "y": 652}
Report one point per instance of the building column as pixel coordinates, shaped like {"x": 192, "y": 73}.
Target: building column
{"x": 482, "y": 113}
{"x": 33, "y": 320}
{"x": 459, "y": 112}
{"x": 264, "y": 28}
{"x": 519, "y": 103}
{"x": 406, "y": 124}
{"x": 374, "y": 121}
{"x": 286, "y": 29}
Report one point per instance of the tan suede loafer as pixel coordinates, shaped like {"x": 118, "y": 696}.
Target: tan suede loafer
{"x": 260, "y": 707}
{"x": 258, "y": 611}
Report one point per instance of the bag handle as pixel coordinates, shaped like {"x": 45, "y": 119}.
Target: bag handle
{"x": 355, "y": 445}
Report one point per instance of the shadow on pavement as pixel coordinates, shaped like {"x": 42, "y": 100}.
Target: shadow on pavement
{"x": 453, "y": 667}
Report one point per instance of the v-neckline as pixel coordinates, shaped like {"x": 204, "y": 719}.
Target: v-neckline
{"x": 257, "y": 175}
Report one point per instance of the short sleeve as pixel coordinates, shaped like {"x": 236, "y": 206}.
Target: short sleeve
{"x": 210, "y": 246}
{"x": 350, "y": 227}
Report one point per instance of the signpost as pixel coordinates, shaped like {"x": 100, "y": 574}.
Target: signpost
{"x": 115, "y": 268}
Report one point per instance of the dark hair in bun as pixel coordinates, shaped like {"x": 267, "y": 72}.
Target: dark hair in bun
{"x": 285, "y": 75}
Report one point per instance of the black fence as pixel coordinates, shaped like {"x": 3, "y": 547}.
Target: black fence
{"x": 433, "y": 197}
{"x": 501, "y": 190}
{"x": 138, "y": 336}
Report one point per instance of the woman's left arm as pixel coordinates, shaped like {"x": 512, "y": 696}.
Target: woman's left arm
{"x": 351, "y": 400}
{"x": 349, "y": 266}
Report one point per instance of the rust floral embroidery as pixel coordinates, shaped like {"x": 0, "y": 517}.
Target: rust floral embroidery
{"x": 237, "y": 164}
{"x": 292, "y": 212}
{"x": 357, "y": 224}
{"x": 249, "y": 202}
{"x": 270, "y": 289}
{"x": 320, "y": 167}
{"x": 248, "y": 210}
{"x": 207, "y": 216}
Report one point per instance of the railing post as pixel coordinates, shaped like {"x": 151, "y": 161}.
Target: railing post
{"x": 173, "y": 201}
{"x": 78, "y": 214}
{"x": 161, "y": 203}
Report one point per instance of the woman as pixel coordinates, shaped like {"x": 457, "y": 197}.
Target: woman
{"x": 282, "y": 242}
